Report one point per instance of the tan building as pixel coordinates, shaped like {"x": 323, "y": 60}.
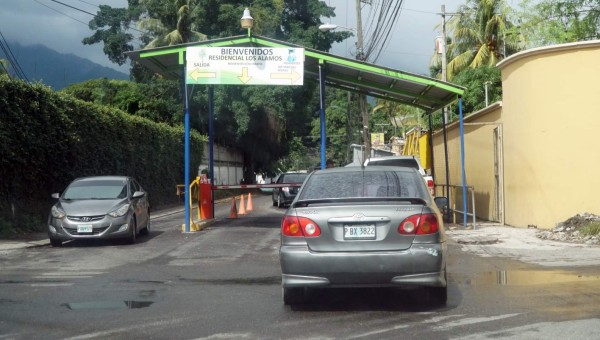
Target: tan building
{"x": 531, "y": 158}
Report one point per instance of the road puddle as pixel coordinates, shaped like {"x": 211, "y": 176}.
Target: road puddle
{"x": 527, "y": 278}
{"x": 127, "y": 304}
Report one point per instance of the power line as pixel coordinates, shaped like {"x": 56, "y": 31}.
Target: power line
{"x": 73, "y": 7}
{"x": 5, "y": 70}
{"x": 86, "y": 12}
{"x": 78, "y": 9}
{"x": 11, "y": 58}
{"x": 382, "y": 20}
{"x": 57, "y": 11}
{"x": 420, "y": 11}
{"x": 85, "y": 2}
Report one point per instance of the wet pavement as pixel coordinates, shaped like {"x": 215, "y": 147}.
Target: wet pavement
{"x": 520, "y": 244}
{"x": 224, "y": 282}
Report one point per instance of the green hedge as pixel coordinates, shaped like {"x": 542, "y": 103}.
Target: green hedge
{"x": 47, "y": 139}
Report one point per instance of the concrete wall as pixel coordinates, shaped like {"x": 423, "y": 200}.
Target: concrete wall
{"x": 228, "y": 165}
{"x": 479, "y": 163}
{"x": 551, "y": 117}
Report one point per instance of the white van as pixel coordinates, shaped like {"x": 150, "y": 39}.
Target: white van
{"x": 404, "y": 161}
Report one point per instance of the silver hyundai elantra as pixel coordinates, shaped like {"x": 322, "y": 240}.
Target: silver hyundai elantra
{"x": 102, "y": 207}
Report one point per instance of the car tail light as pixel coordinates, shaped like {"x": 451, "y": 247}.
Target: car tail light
{"x": 419, "y": 225}
{"x": 299, "y": 226}
{"x": 431, "y": 187}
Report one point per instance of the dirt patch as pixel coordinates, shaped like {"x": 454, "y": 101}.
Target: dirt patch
{"x": 570, "y": 230}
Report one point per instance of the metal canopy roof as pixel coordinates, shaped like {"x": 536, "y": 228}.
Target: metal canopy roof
{"x": 344, "y": 73}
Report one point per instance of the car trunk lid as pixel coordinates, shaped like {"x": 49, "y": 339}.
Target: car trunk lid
{"x": 359, "y": 227}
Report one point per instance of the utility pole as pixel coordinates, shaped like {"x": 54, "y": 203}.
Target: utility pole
{"x": 444, "y": 113}
{"x": 443, "y": 45}
{"x": 444, "y": 56}
{"x": 362, "y": 100}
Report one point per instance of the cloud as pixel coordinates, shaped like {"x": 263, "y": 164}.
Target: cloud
{"x": 34, "y": 22}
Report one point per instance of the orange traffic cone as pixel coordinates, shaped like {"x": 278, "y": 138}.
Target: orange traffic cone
{"x": 249, "y": 206}
{"x": 233, "y": 212}
{"x": 242, "y": 208}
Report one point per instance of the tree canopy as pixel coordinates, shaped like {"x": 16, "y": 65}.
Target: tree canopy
{"x": 478, "y": 34}
{"x": 549, "y": 22}
{"x": 259, "y": 121}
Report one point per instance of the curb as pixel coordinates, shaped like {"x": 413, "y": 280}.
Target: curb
{"x": 44, "y": 241}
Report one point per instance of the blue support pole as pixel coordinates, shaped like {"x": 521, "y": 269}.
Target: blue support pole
{"x": 430, "y": 142}
{"x": 462, "y": 161}
{"x": 322, "y": 111}
{"x": 447, "y": 189}
{"x": 211, "y": 107}
{"x": 186, "y": 137}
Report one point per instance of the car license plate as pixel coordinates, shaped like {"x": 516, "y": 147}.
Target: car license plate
{"x": 84, "y": 228}
{"x": 359, "y": 232}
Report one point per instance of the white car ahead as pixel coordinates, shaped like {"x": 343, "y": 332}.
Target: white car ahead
{"x": 405, "y": 161}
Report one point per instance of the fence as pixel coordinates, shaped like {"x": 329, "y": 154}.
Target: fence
{"x": 452, "y": 201}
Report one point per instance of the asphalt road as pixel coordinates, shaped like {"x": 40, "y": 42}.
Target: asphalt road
{"x": 224, "y": 283}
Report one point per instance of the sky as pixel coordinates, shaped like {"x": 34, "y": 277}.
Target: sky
{"x": 61, "y": 28}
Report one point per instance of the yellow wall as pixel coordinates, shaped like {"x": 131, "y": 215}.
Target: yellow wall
{"x": 479, "y": 161}
{"x": 551, "y": 117}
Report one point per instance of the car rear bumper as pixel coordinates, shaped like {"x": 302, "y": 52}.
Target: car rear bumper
{"x": 421, "y": 265}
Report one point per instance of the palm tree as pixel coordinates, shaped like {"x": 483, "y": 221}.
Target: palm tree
{"x": 479, "y": 35}
{"x": 401, "y": 116}
{"x": 3, "y": 66}
{"x": 166, "y": 36}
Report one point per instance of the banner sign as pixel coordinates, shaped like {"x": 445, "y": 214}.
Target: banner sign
{"x": 244, "y": 65}
{"x": 377, "y": 139}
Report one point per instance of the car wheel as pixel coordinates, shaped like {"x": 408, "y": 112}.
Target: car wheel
{"x": 438, "y": 295}
{"x": 274, "y": 201}
{"x": 55, "y": 243}
{"x": 279, "y": 201}
{"x": 146, "y": 229}
{"x": 132, "y": 237}
{"x": 293, "y": 296}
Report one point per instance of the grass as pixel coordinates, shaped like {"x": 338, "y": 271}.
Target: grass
{"x": 8, "y": 229}
{"x": 592, "y": 229}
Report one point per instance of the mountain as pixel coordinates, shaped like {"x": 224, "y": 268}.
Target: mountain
{"x": 55, "y": 69}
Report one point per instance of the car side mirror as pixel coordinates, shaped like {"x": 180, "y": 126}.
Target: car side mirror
{"x": 441, "y": 202}
{"x": 55, "y": 195}
{"x": 138, "y": 194}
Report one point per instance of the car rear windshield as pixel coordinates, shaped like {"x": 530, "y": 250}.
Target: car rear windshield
{"x": 407, "y": 162}
{"x": 396, "y": 184}
{"x": 294, "y": 178}
{"x": 96, "y": 189}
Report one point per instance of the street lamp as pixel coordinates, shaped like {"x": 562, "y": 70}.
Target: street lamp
{"x": 247, "y": 21}
{"x": 362, "y": 99}
{"x": 331, "y": 27}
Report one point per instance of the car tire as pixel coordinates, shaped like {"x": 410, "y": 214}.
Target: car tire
{"x": 293, "y": 295}
{"x": 132, "y": 237}
{"x": 438, "y": 295}
{"x": 279, "y": 201}
{"x": 146, "y": 229}
{"x": 274, "y": 201}
{"x": 55, "y": 243}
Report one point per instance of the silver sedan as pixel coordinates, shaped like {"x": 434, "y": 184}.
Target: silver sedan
{"x": 102, "y": 207}
{"x": 363, "y": 227}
